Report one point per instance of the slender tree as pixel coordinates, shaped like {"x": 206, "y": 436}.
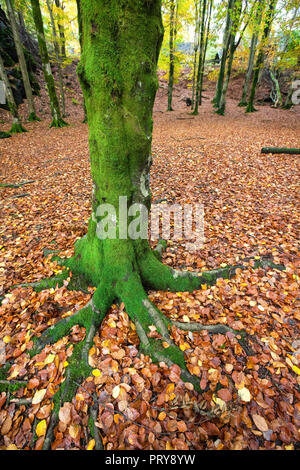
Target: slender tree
{"x": 16, "y": 121}
{"x": 207, "y": 31}
{"x": 226, "y": 42}
{"x": 172, "y": 38}
{"x": 57, "y": 120}
{"x": 261, "y": 54}
{"x": 61, "y": 29}
{"x": 22, "y": 61}
{"x": 253, "y": 46}
{"x": 58, "y": 59}
{"x": 117, "y": 72}
{"x": 80, "y": 42}
{"x": 196, "y": 47}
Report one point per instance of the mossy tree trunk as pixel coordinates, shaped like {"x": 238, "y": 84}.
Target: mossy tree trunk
{"x": 22, "y": 62}
{"x": 57, "y": 120}
{"x": 253, "y": 46}
{"x": 201, "y": 57}
{"x": 58, "y": 59}
{"x": 261, "y": 54}
{"x": 173, "y": 5}
{"x": 16, "y": 121}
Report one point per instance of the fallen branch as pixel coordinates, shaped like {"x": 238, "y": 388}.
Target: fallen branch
{"x": 290, "y": 151}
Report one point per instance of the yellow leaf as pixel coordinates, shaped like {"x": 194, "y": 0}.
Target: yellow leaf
{"x": 74, "y": 430}
{"x": 91, "y": 444}
{"x": 296, "y": 369}
{"x": 41, "y": 428}
{"x": 11, "y": 447}
{"x": 97, "y": 373}
{"x": 117, "y": 418}
{"x": 6, "y": 339}
{"x": 116, "y": 391}
{"x": 162, "y": 416}
{"x": 49, "y": 359}
{"x": 170, "y": 388}
{"x": 244, "y": 394}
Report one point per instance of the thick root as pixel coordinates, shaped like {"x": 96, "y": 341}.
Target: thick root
{"x": 17, "y": 128}
{"x": 158, "y": 276}
{"x": 33, "y": 117}
{"x": 59, "y": 122}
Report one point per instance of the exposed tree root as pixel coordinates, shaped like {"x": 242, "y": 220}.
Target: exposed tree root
{"x": 59, "y": 122}
{"x": 152, "y": 326}
{"x": 17, "y": 128}
{"x": 33, "y": 117}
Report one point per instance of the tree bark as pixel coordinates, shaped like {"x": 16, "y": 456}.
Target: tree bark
{"x": 22, "y": 61}
{"x": 16, "y": 121}
{"x": 57, "y": 120}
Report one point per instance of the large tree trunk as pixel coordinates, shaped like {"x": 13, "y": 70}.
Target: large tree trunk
{"x": 16, "y": 121}
{"x": 22, "y": 61}
{"x": 57, "y": 120}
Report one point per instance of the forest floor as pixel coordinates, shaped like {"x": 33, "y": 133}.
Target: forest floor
{"x": 251, "y": 208}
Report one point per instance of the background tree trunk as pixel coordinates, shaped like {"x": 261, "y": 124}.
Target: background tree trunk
{"x": 22, "y": 62}
{"x": 201, "y": 58}
{"x": 61, "y": 31}
{"x": 253, "y": 46}
{"x": 171, "y": 52}
{"x": 57, "y": 120}
{"x": 58, "y": 60}
{"x": 260, "y": 58}
{"x": 226, "y": 39}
